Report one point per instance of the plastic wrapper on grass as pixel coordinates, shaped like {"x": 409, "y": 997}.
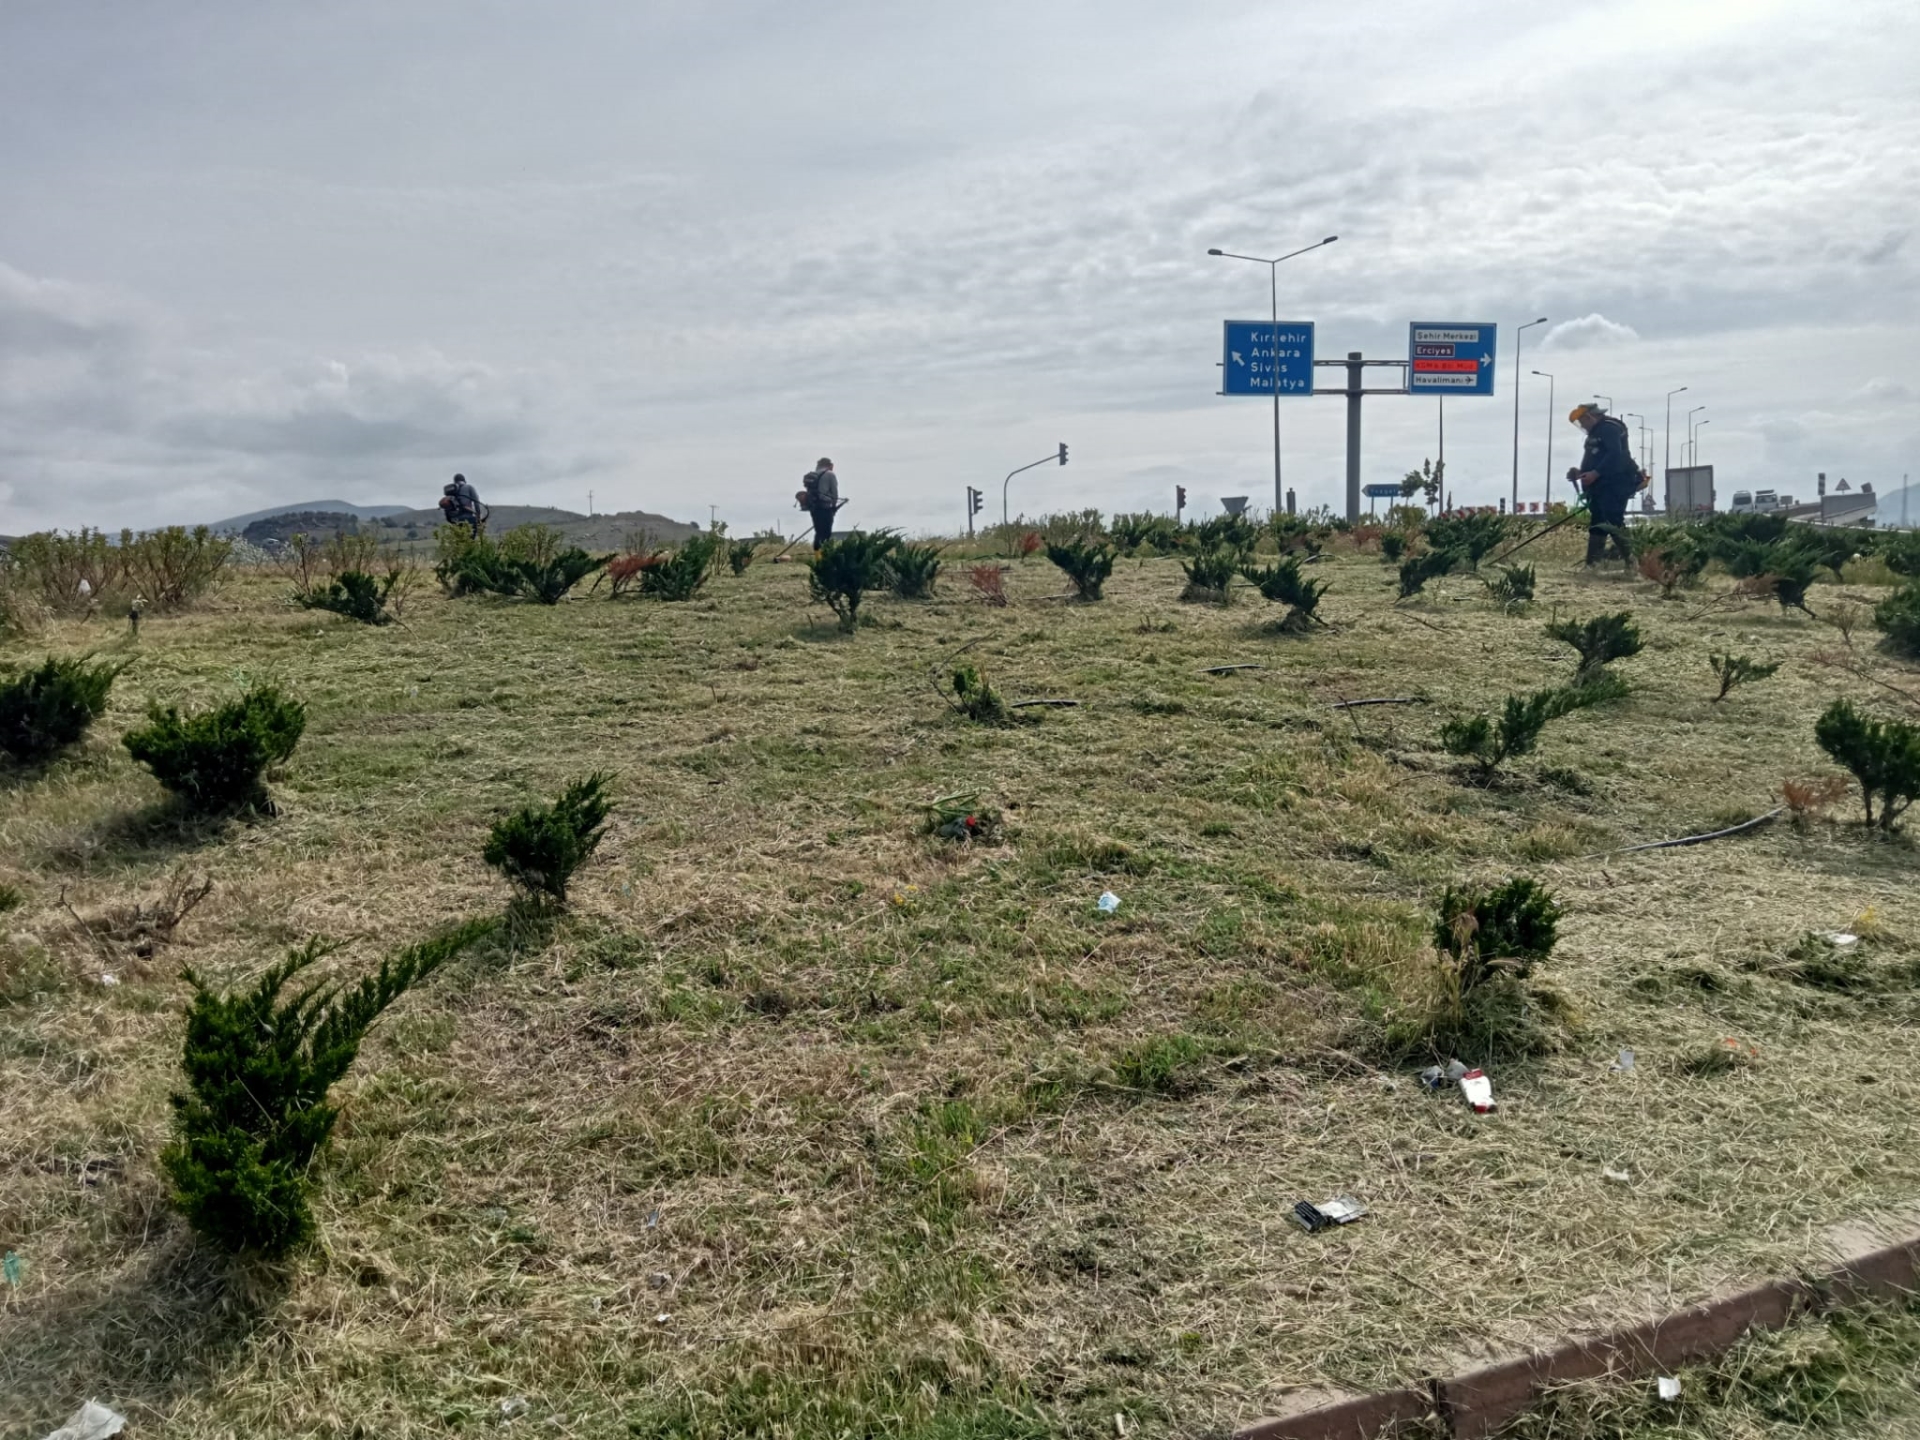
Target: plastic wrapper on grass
{"x": 215, "y": 762}
{"x": 538, "y": 847}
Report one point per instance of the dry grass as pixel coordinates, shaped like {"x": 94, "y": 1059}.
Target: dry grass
{"x": 807, "y": 1123}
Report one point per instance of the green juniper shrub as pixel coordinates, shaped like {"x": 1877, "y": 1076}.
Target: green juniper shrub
{"x": 1511, "y": 585}
{"x": 1209, "y": 576}
{"x": 976, "y": 699}
{"x": 1671, "y": 558}
{"x": 1416, "y": 570}
{"x": 1901, "y": 553}
{"x": 354, "y": 594}
{"x": 1489, "y": 742}
{"x": 1735, "y": 670}
{"x": 843, "y": 570}
{"x": 1786, "y": 566}
{"x": 1283, "y": 584}
{"x": 1882, "y": 755}
{"x": 469, "y": 564}
{"x": 1831, "y": 547}
{"x": 680, "y": 574}
{"x": 1223, "y": 532}
{"x": 258, "y": 1068}
{"x": 1475, "y": 533}
{"x": 1511, "y": 927}
{"x": 1087, "y": 563}
{"x": 1393, "y": 546}
{"x": 12, "y": 897}
{"x": 1898, "y": 617}
{"x": 740, "y": 555}
{"x": 48, "y": 708}
{"x": 548, "y": 581}
{"x": 1145, "y": 534}
{"x": 538, "y": 847}
{"x": 1602, "y": 639}
{"x": 912, "y": 571}
{"x": 1489, "y": 942}
{"x": 214, "y": 762}
{"x": 1727, "y": 531}
{"x": 1296, "y": 533}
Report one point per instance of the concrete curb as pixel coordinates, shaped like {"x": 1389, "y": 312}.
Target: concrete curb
{"x": 1475, "y": 1404}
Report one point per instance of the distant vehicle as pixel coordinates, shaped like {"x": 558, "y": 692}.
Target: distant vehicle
{"x": 1765, "y": 500}
{"x": 1743, "y": 500}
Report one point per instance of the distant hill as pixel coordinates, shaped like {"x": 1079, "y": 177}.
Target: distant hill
{"x": 590, "y": 532}
{"x": 324, "y": 507}
{"x": 1887, "y": 510}
{"x": 317, "y": 524}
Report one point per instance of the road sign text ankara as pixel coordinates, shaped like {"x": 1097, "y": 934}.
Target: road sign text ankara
{"x": 1450, "y": 359}
{"x": 1260, "y": 358}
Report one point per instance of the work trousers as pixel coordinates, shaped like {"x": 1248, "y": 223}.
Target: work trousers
{"x": 1607, "y": 521}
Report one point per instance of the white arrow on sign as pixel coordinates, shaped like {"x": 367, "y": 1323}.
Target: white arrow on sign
{"x": 1236, "y": 358}
{"x": 1485, "y": 359}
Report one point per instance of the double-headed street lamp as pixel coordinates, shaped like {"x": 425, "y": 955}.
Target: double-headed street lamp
{"x": 1546, "y": 502}
{"x": 1666, "y": 461}
{"x": 1516, "y": 405}
{"x": 1273, "y": 290}
{"x": 1693, "y": 445}
{"x": 1690, "y": 414}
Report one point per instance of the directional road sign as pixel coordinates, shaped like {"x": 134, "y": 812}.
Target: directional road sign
{"x": 1260, "y": 356}
{"x": 1381, "y": 492}
{"x": 1445, "y": 358}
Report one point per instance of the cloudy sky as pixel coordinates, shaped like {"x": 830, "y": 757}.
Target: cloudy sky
{"x": 671, "y": 252}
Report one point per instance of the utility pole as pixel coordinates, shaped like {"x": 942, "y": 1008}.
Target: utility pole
{"x": 1666, "y": 462}
{"x": 1548, "y": 500}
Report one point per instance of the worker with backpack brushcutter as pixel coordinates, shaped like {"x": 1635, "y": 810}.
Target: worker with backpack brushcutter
{"x": 819, "y": 496}
{"x": 1609, "y": 476}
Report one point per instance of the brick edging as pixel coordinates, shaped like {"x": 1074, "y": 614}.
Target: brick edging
{"x": 1478, "y": 1402}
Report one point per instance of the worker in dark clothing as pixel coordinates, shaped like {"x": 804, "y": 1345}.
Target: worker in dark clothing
{"x": 1610, "y": 477}
{"x": 460, "y": 504}
{"x": 820, "y": 496}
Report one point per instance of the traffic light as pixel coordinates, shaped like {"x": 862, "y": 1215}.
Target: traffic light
{"x": 974, "y": 501}
{"x": 1063, "y": 452}
{"x": 1179, "y": 499}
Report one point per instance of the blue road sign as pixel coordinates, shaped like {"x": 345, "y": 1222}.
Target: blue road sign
{"x": 1259, "y": 356}
{"x": 1381, "y": 492}
{"x": 1446, "y": 358}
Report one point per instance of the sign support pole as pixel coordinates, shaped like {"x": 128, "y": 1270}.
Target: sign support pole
{"x": 1353, "y": 434}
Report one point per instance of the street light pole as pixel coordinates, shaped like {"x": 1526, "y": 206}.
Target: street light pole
{"x": 1606, "y": 402}
{"x": 1516, "y": 405}
{"x": 1690, "y": 414}
{"x": 1642, "y": 428}
{"x": 1696, "y": 441}
{"x": 1666, "y": 431}
{"x": 1273, "y": 297}
{"x": 1547, "y": 499}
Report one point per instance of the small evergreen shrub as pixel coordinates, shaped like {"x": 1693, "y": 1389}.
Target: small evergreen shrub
{"x": 845, "y": 569}
{"x": 538, "y": 847}
{"x": 1473, "y": 534}
{"x": 1283, "y": 584}
{"x": 1882, "y": 755}
{"x": 548, "y": 581}
{"x": 1901, "y": 553}
{"x": 354, "y": 594}
{"x": 912, "y": 571}
{"x": 1393, "y": 546}
{"x": 258, "y": 1068}
{"x": 1209, "y": 574}
{"x": 1145, "y": 534}
{"x": 740, "y": 555}
{"x": 469, "y": 564}
{"x": 1602, "y": 639}
{"x": 1510, "y": 928}
{"x": 1898, "y": 618}
{"x": 1416, "y": 570}
{"x": 1511, "y": 585}
{"x": 976, "y": 699}
{"x": 48, "y": 708}
{"x": 1735, "y": 670}
{"x": 1297, "y": 533}
{"x": 1224, "y": 532}
{"x": 1672, "y": 563}
{"x": 679, "y": 574}
{"x": 214, "y": 762}
{"x": 1085, "y": 562}
{"x": 1786, "y": 566}
{"x": 1489, "y": 742}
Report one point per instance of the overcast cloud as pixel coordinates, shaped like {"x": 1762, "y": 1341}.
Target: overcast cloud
{"x": 668, "y": 252}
